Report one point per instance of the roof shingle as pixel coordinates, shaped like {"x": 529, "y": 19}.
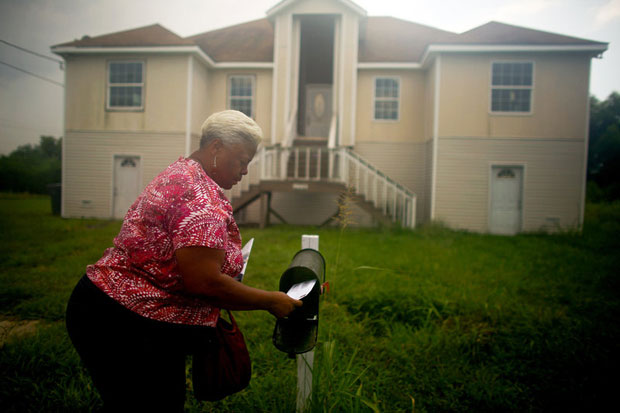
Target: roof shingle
{"x": 246, "y": 42}
{"x": 501, "y": 33}
{"x": 388, "y": 39}
{"x": 153, "y": 35}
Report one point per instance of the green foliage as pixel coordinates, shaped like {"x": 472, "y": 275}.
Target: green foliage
{"x": 443, "y": 320}
{"x": 31, "y": 168}
{"x": 41, "y": 373}
{"x": 604, "y": 145}
{"x": 41, "y": 256}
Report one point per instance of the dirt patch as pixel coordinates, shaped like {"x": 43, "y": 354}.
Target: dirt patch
{"x": 16, "y": 329}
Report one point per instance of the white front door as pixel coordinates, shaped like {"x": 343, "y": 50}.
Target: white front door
{"x": 506, "y": 199}
{"x": 126, "y": 183}
{"x": 318, "y": 110}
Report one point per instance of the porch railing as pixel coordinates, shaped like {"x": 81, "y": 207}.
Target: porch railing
{"x": 338, "y": 165}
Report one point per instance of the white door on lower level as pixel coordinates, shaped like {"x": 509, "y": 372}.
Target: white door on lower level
{"x": 506, "y": 200}
{"x": 126, "y": 183}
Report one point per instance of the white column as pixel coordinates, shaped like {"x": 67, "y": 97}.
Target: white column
{"x": 188, "y": 105}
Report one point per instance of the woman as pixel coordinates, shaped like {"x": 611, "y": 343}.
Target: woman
{"x": 155, "y": 296}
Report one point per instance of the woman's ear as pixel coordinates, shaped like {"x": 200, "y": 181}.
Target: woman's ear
{"x": 215, "y": 146}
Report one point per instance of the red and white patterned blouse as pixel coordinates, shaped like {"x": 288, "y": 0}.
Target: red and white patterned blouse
{"x": 181, "y": 207}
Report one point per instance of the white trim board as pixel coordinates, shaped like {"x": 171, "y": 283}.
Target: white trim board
{"x": 435, "y": 49}
{"x": 277, "y": 8}
{"x": 163, "y": 49}
{"x": 435, "y": 136}
{"x": 430, "y": 50}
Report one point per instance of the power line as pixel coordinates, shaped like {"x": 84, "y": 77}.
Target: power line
{"x": 60, "y": 62}
{"x": 33, "y": 74}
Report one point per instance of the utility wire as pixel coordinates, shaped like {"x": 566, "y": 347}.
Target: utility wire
{"x": 33, "y": 74}
{"x": 60, "y": 62}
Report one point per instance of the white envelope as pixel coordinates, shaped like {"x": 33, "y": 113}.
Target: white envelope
{"x": 299, "y": 291}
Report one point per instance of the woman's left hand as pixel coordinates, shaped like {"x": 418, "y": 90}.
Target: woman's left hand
{"x": 282, "y": 304}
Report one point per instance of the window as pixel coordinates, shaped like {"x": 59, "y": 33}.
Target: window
{"x": 387, "y": 93}
{"x": 241, "y": 94}
{"x": 511, "y": 87}
{"x": 125, "y": 85}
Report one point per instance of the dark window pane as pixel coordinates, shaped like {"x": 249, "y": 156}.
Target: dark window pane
{"x": 125, "y": 96}
{"x": 234, "y": 86}
{"x": 241, "y": 93}
{"x": 386, "y": 110}
{"x": 240, "y": 86}
{"x": 123, "y": 72}
{"x": 385, "y": 87}
{"x": 136, "y": 96}
{"x": 512, "y": 74}
{"x": 242, "y": 105}
{"x": 511, "y": 100}
{"x": 495, "y": 100}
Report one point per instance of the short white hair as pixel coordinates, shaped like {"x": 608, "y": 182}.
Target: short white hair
{"x": 230, "y": 127}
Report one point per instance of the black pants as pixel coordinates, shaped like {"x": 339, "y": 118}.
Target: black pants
{"x": 137, "y": 364}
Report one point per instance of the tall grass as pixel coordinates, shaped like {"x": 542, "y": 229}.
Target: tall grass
{"x": 443, "y": 320}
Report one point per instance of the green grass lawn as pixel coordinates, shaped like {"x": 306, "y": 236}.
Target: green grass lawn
{"x": 452, "y": 320}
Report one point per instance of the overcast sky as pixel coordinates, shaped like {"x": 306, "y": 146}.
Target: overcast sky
{"x": 30, "y": 106}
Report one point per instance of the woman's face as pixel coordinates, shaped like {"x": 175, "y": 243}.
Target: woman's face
{"x": 232, "y": 164}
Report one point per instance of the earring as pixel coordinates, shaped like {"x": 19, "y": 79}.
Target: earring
{"x": 215, "y": 161}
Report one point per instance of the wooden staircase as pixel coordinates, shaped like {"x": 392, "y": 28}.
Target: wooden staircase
{"x": 316, "y": 168}
{"x": 266, "y": 188}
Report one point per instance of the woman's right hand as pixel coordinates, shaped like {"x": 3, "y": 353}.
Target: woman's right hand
{"x": 282, "y": 305}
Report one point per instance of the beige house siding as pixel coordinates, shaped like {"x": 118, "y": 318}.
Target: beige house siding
{"x": 85, "y": 92}
{"x": 165, "y": 90}
{"x": 217, "y": 91}
{"x": 411, "y": 123}
{"x": 94, "y": 134}
{"x": 559, "y": 103}
{"x": 201, "y": 101}
{"x": 89, "y": 166}
{"x": 552, "y": 186}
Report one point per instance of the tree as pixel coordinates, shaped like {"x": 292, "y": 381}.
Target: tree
{"x": 604, "y": 145}
{"x": 31, "y": 168}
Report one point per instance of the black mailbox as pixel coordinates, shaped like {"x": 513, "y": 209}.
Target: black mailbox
{"x": 298, "y": 332}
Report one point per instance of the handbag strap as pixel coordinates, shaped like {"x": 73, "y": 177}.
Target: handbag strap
{"x": 233, "y": 322}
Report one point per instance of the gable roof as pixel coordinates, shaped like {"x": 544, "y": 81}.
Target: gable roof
{"x": 153, "y": 35}
{"x": 502, "y": 33}
{"x": 246, "y": 42}
{"x": 388, "y": 39}
{"x": 381, "y": 40}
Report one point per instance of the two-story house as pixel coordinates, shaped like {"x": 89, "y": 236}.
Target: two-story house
{"x": 485, "y": 130}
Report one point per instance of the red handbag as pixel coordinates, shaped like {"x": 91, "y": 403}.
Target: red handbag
{"x": 226, "y": 367}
